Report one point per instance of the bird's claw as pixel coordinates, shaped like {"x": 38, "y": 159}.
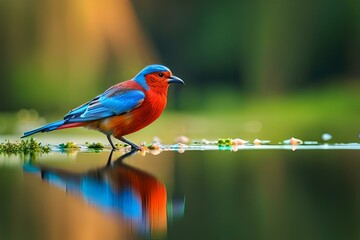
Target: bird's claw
{"x": 135, "y": 148}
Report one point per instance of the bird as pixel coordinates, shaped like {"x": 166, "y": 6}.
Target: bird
{"x": 124, "y": 108}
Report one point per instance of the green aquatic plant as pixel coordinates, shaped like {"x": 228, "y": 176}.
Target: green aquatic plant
{"x": 68, "y": 145}
{"x": 96, "y": 146}
{"x": 224, "y": 141}
{"x": 28, "y": 146}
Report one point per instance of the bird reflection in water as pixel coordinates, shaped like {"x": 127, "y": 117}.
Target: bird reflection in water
{"x": 131, "y": 193}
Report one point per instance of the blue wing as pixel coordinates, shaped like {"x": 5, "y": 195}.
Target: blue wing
{"x": 112, "y": 102}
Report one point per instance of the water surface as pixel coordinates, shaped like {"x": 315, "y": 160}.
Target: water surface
{"x": 252, "y": 193}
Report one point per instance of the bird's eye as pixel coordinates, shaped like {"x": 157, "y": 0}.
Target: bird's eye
{"x": 160, "y": 74}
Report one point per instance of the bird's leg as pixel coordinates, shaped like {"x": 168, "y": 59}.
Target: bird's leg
{"x": 119, "y": 161}
{"x": 133, "y": 145}
{"x": 110, "y": 141}
{"x": 109, "y": 158}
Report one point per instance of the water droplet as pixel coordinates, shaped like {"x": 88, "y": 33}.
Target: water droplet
{"x": 326, "y": 136}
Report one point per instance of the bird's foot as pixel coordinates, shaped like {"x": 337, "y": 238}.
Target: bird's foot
{"x": 135, "y": 147}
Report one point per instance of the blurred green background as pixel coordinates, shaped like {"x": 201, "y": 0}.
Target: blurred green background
{"x": 253, "y": 69}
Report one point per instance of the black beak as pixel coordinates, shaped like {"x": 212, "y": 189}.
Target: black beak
{"x": 174, "y": 79}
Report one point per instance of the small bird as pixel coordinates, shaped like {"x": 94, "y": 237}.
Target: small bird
{"x": 123, "y": 108}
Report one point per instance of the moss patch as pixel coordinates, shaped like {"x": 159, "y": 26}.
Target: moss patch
{"x": 28, "y": 146}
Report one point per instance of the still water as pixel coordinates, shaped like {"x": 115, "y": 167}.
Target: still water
{"x": 201, "y": 194}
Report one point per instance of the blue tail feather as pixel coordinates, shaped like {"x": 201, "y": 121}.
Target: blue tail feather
{"x": 47, "y": 128}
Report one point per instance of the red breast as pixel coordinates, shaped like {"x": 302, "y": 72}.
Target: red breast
{"x": 150, "y": 109}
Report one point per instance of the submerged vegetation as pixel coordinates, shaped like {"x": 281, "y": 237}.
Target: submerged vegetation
{"x": 28, "y": 146}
